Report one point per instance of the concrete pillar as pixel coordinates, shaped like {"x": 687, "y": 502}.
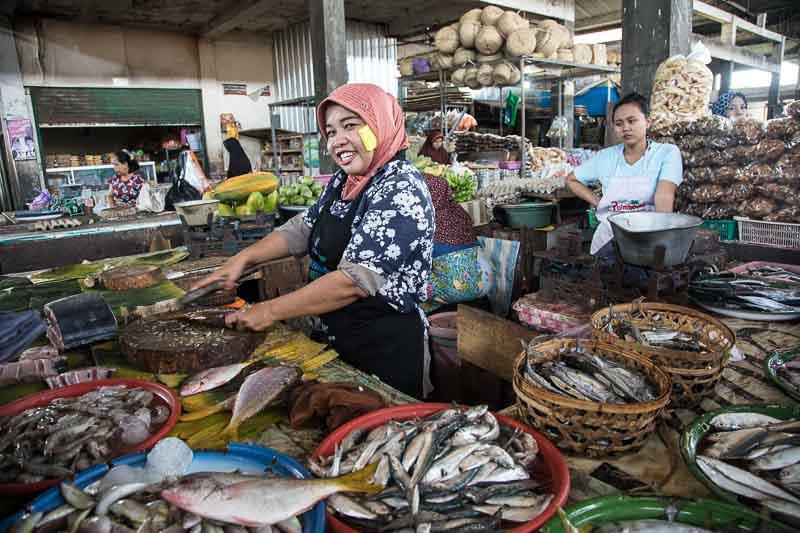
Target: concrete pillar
{"x": 651, "y": 32}
{"x": 211, "y": 93}
{"x": 24, "y": 177}
{"x": 329, "y": 54}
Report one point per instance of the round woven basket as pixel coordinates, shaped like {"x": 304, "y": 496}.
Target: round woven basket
{"x": 694, "y": 375}
{"x": 591, "y": 429}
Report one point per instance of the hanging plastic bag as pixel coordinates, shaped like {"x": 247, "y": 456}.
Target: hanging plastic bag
{"x": 559, "y": 128}
{"x": 150, "y": 199}
{"x": 510, "y": 111}
{"x": 682, "y": 86}
{"x": 192, "y": 172}
{"x": 181, "y": 191}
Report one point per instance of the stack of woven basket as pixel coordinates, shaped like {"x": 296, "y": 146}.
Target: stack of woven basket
{"x": 680, "y": 379}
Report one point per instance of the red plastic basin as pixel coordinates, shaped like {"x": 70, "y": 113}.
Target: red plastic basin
{"x": 43, "y": 398}
{"x": 549, "y": 467}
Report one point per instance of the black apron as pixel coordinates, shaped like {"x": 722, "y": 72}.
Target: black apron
{"x": 369, "y": 334}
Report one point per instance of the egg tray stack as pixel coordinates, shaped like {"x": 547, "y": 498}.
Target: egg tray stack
{"x": 586, "y": 428}
{"x": 694, "y": 375}
{"x": 744, "y": 168}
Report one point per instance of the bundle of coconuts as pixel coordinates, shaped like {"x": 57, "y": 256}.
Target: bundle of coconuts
{"x": 478, "y": 43}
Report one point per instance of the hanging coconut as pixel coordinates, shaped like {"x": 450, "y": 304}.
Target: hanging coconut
{"x": 489, "y": 41}
{"x": 516, "y": 75}
{"x": 485, "y": 73}
{"x": 511, "y": 22}
{"x": 599, "y": 54}
{"x": 549, "y": 41}
{"x": 457, "y": 77}
{"x": 473, "y": 15}
{"x": 445, "y": 61}
{"x": 446, "y": 40}
{"x": 467, "y": 33}
{"x": 503, "y": 74}
{"x": 463, "y": 56}
{"x": 548, "y": 23}
{"x": 471, "y": 78}
{"x": 490, "y": 15}
{"x": 521, "y": 43}
{"x": 488, "y": 59}
{"x": 582, "y": 53}
{"x": 565, "y": 54}
{"x": 407, "y": 67}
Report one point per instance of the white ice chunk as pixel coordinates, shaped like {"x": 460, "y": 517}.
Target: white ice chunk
{"x": 170, "y": 457}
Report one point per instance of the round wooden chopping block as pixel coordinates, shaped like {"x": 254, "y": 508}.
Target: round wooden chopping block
{"x": 131, "y": 277}
{"x": 175, "y": 346}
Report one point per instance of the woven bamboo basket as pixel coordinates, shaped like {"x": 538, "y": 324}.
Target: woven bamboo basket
{"x": 694, "y": 375}
{"x": 591, "y": 429}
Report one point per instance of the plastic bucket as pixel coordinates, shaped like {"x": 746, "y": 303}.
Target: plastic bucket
{"x": 445, "y": 362}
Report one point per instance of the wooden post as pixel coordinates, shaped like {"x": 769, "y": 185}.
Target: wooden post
{"x": 329, "y": 54}
{"x": 652, "y": 31}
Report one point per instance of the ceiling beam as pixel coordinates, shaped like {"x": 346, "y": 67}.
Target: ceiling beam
{"x": 235, "y": 14}
{"x": 609, "y": 20}
{"x": 723, "y": 17}
{"x": 557, "y": 9}
{"x": 737, "y": 54}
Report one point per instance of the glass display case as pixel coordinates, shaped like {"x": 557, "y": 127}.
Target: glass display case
{"x": 95, "y": 177}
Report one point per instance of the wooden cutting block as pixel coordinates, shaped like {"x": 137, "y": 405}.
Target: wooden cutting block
{"x": 178, "y": 346}
{"x": 131, "y": 277}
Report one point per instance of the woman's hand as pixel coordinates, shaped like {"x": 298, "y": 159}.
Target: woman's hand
{"x": 229, "y": 273}
{"x": 257, "y": 318}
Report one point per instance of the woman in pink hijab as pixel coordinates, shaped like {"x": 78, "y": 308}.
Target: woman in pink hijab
{"x": 370, "y": 241}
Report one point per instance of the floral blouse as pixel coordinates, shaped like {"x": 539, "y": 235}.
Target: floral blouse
{"x": 392, "y": 232}
{"x": 126, "y": 191}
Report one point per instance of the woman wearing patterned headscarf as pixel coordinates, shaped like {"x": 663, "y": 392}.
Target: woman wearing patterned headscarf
{"x": 370, "y": 240}
{"x": 730, "y": 104}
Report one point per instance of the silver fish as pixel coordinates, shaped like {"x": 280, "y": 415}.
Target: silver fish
{"x": 347, "y": 506}
{"x": 742, "y": 420}
{"x": 649, "y": 526}
{"x": 780, "y": 459}
{"x": 741, "y": 481}
{"x": 782, "y": 507}
{"x": 518, "y": 514}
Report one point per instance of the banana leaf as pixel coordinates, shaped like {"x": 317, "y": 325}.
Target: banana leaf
{"x": 22, "y": 297}
{"x": 83, "y": 270}
{"x": 133, "y": 298}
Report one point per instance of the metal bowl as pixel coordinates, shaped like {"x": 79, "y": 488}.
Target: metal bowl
{"x": 650, "y": 239}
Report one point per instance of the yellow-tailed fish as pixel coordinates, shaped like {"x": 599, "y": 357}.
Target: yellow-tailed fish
{"x": 262, "y": 502}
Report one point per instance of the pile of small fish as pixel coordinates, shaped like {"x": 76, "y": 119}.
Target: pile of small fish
{"x": 749, "y": 293}
{"x": 452, "y": 471}
{"x": 72, "y": 434}
{"x": 755, "y": 456}
{"x": 585, "y": 376}
{"x": 204, "y": 502}
{"x": 623, "y": 326}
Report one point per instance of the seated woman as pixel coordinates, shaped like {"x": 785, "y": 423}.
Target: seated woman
{"x": 730, "y": 104}
{"x": 434, "y": 148}
{"x": 457, "y": 274}
{"x": 124, "y": 188}
{"x": 637, "y": 175}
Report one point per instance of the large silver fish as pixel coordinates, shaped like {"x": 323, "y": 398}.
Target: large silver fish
{"x": 649, "y": 526}
{"x": 263, "y": 502}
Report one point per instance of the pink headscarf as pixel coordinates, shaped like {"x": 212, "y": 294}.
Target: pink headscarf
{"x": 381, "y": 112}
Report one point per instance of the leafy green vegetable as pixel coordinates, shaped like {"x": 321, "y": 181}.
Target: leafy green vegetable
{"x": 462, "y": 185}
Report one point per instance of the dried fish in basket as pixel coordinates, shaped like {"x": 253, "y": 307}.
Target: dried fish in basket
{"x": 749, "y": 454}
{"x": 587, "y": 426}
{"x": 690, "y": 346}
